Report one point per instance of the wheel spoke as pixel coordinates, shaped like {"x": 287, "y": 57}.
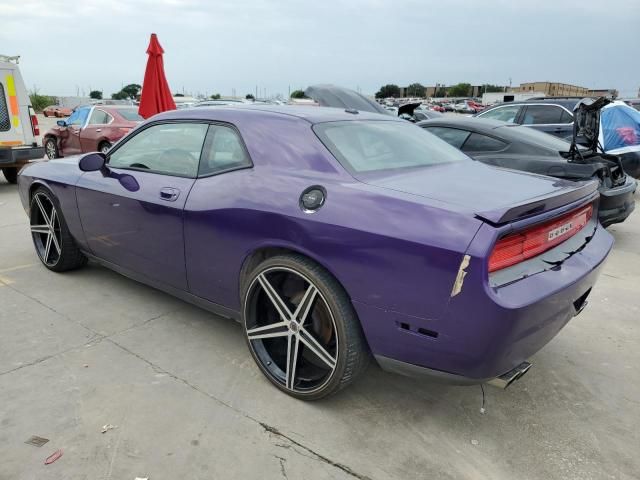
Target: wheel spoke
{"x": 292, "y": 360}
{"x": 56, "y": 243}
{"x": 47, "y": 248}
{"x": 42, "y": 210}
{"x": 53, "y": 218}
{"x": 300, "y": 315}
{"x": 40, "y": 229}
{"x": 279, "y": 329}
{"x": 318, "y": 350}
{"x": 277, "y": 302}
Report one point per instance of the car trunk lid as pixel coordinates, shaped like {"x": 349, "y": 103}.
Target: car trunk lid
{"x": 494, "y": 195}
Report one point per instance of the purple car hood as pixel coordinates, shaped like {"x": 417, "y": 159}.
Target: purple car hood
{"x": 493, "y": 194}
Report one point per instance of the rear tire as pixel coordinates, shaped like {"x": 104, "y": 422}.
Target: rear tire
{"x": 52, "y": 240}
{"x": 11, "y": 174}
{"x": 51, "y": 148}
{"x": 311, "y": 345}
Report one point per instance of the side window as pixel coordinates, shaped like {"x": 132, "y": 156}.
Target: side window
{"x": 169, "y": 148}
{"x": 223, "y": 150}
{"x": 5, "y": 122}
{"x": 542, "y": 114}
{"x": 99, "y": 117}
{"x": 452, "y": 136}
{"x": 78, "y": 117}
{"x": 482, "y": 143}
{"x": 505, "y": 114}
{"x": 566, "y": 117}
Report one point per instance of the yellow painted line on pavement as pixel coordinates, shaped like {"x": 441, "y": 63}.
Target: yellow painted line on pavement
{"x": 18, "y": 267}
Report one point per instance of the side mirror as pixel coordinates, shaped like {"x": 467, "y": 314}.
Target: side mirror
{"x": 92, "y": 162}
{"x": 61, "y": 123}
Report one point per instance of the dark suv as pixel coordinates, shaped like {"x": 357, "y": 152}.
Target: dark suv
{"x": 550, "y": 115}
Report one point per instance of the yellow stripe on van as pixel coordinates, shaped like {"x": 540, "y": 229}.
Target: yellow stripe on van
{"x": 13, "y": 100}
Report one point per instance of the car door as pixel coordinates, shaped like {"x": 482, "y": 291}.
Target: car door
{"x": 69, "y": 142}
{"x": 132, "y": 210}
{"x": 94, "y": 132}
{"x": 552, "y": 119}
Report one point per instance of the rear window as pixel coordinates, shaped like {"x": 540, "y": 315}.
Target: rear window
{"x": 5, "y": 122}
{"x": 130, "y": 114}
{"x": 365, "y": 146}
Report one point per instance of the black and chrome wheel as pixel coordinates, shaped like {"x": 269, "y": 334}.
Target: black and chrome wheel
{"x": 301, "y": 328}
{"x": 51, "y": 148}
{"x": 54, "y": 244}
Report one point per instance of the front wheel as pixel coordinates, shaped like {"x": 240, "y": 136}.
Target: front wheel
{"x": 54, "y": 244}
{"x": 11, "y": 174}
{"x": 51, "y": 148}
{"x": 301, "y": 328}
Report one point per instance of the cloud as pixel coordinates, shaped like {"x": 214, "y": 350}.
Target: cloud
{"x": 219, "y": 46}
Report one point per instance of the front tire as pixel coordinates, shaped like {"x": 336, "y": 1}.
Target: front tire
{"x": 52, "y": 240}
{"x": 301, "y": 328}
{"x": 104, "y": 147}
{"x": 11, "y": 174}
{"x": 51, "y": 148}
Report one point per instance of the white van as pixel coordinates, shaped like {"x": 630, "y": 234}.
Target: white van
{"x": 18, "y": 121}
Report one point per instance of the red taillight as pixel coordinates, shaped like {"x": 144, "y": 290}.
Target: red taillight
{"x": 34, "y": 126}
{"x": 521, "y": 246}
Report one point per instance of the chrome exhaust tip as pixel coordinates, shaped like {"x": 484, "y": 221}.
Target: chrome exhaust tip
{"x": 504, "y": 380}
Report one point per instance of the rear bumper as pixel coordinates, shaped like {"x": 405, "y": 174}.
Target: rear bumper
{"x": 18, "y": 156}
{"x": 487, "y": 331}
{"x": 616, "y": 204}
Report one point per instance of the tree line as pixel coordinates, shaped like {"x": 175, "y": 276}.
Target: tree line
{"x": 419, "y": 90}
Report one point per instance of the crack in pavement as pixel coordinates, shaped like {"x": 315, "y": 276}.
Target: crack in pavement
{"x": 316, "y": 455}
{"x": 95, "y": 338}
{"x": 266, "y": 427}
{"x": 92, "y": 340}
{"x": 282, "y": 469}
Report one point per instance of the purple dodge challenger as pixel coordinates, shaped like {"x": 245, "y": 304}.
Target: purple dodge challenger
{"x": 330, "y": 235}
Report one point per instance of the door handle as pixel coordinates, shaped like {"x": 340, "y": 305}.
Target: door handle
{"x": 98, "y": 129}
{"x": 169, "y": 194}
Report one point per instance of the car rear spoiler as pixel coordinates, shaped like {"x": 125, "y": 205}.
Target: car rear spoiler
{"x": 538, "y": 205}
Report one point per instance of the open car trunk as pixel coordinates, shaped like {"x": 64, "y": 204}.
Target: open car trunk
{"x": 586, "y": 148}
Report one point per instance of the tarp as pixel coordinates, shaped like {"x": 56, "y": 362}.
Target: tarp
{"x": 619, "y": 128}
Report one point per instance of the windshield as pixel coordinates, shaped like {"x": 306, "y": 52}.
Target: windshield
{"x": 130, "y": 114}
{"x": 365, "y": 146}
{"x": 547, "y": 140}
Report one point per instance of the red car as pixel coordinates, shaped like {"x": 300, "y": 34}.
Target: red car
{"x": 476, "y": 106}
{"x": 57, "y": 111}
{"x": 89, "y": 129}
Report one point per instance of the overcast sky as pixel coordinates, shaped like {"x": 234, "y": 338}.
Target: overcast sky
{"x": 218, "y": 46}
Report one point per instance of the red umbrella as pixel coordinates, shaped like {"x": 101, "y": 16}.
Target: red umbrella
{"x": 156, "y": 95}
